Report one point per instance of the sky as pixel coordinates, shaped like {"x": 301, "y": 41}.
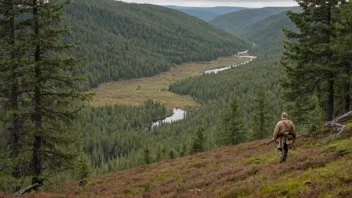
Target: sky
{"x": 213, "y": 3}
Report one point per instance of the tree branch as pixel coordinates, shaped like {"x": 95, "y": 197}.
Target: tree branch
{"x": 24, "y": 190}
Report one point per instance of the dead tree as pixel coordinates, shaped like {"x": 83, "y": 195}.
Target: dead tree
{"x": 337, "y": 125}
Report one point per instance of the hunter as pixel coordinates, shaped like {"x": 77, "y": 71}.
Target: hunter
{"x": 284, "y": 136}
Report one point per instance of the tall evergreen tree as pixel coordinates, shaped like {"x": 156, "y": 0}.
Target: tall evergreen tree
{"x": 261, "y": 119}
{"x": 54, "y": 100}
{"x": 343, "y": 50}
{"x": 232, "y": 130}
{"x": 13, "y": 57}
{"x": 200, "y": 139}
{"x": 308, "y": 57}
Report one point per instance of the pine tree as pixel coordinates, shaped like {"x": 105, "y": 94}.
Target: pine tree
{"x": 54, "y": 99}
{"x": 261, "y": 119}
{"x": 200, "y": 139}
{"x": 82, "y": 167}
{"x": 308, "y": 57}
{"x": 342, "y": 47}
{"x": 231, "y": 130}
{"x": 314, "y": 115}
{"x": 13, "y": 58}
{"x": 146, "y": 155}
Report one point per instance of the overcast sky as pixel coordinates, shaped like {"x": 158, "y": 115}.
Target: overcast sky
{"x": 212, "y": 3}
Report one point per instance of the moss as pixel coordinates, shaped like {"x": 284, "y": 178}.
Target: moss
{"x": 163, "y": 174}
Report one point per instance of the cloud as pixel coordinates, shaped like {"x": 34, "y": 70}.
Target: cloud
{"x": 211, "y": 3}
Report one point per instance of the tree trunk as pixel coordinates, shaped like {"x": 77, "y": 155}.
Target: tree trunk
{"x": 347, "y": 91}
{"x": 14, "y": 127}
{"x": 37, "y": 161}
{"x": 330, "y": 100}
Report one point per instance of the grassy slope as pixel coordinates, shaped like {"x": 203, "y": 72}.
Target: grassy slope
{"x": 235, "y": 22}
{"x": 314, "y": 169}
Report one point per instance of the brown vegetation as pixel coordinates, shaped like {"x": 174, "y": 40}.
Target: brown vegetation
{"x": 244, "y": 170}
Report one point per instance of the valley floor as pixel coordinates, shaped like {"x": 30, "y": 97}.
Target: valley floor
{"x": 137, "y": 91}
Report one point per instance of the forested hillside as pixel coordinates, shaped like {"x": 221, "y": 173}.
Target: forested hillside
{"x": 268, "y": 34}
{"x": 235, "y": 22}
{"x": 123, "y": 41}
{"x": 206, "y": 13}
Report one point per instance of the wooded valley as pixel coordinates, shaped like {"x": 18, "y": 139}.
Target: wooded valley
{"x": 52, "y": 134}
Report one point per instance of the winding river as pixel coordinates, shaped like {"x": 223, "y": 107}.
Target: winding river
{"x": 243, "y": 54}
{"x": 179, "y": 114}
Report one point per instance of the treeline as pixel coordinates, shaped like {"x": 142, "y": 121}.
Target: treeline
{"x": 124, "y": 41}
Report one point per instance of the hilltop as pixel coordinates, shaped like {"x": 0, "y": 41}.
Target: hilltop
{"x": 125, "y": 40}
{"x": 316, "y": 168}
{"x": 235, "y": 22}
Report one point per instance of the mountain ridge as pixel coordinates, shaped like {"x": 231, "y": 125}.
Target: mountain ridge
{"x": 235, "y": 22}
{"x": 206, "y": 13}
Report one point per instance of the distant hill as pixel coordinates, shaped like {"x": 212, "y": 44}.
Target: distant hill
{"x": 206, "y": 13}
{"x": 201, "y": 14}
{"x": 124, "y": 41}
{"x": 235, "y": 22}
{"x": 268, "y": 34}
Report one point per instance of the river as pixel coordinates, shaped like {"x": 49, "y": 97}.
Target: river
{"x": 179, "y": 114}
{"x": 243, "y": 54}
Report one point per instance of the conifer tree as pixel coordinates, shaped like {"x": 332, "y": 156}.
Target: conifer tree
{"x": 308, "y": 57}
{"x": 342, "y": 47}
{"x": 261, "y": 119}
{"x": 200, "y": 139}
{"x": 13, "y": 58}
{"x": 54, "y": 99}
{"x": 231, "y": 130}
{"x": 146, "y": 155}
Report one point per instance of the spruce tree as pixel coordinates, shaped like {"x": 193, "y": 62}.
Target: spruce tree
{"x": 231, "y": 130}
{"x": 342, "y": 46}
{"x": 13, "y": 59}
{"x": 308, "y": 57}
{"x": 54, "y": 99}
{"x": 200, "y": 139}
{"x": 261, "y": 119}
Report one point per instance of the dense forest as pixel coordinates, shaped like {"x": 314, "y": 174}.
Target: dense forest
{"x": 206, "y": 13}
{"x": 267, "y": 34}
{"x": 234, "y": 22}
{"x": 124, "y": 41}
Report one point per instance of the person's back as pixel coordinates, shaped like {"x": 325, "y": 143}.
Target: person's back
{"x": 284, "y": 136}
